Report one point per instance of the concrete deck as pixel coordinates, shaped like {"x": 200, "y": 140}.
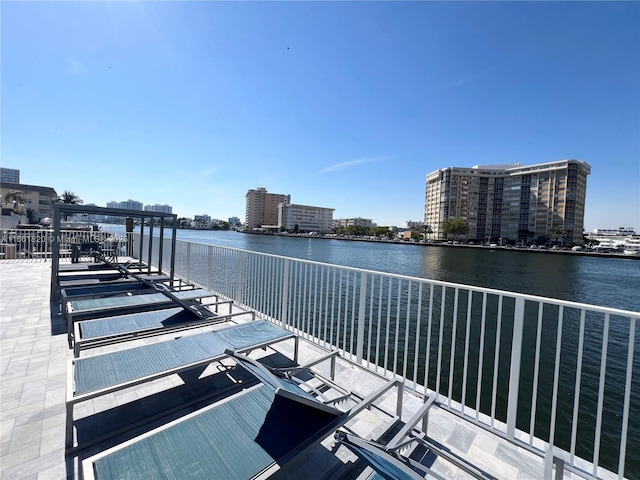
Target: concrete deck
{"x": 34, "y": 361}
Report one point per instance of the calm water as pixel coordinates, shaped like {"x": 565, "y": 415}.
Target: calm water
{"x": 609, "y": 282}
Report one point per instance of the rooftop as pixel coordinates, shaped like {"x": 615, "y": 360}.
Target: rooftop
{"x": 35, "y": 358}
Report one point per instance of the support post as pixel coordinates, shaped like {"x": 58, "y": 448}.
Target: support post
{"x": 514, "y": 372}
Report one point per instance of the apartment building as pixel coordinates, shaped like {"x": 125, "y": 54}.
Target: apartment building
{"x": 512, "y": 202}
{"x": 36, "y": 198}
{"x": 127, "y": 205}
{"x": 304, "y": 218}
{"x": 262, "y": 208}
{"x": 9, "y": 175}
{"x": 158, "y": 208}
{"x": 353, "y": 222}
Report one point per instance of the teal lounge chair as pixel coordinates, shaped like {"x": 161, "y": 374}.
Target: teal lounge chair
{"x": 120, "y": 328}
{"x": 251, "y": 434}
{"x": 101, "y": 307}
{"x": 94, "y": 376}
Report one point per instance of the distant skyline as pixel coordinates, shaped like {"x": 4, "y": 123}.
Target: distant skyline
{"x": 345, "y": 105}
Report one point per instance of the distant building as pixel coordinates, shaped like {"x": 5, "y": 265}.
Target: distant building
{"x": 411, "y": 224}
{"x": 9, "y": 175}
{"x": 201, "y": 221}
{"x": 511, "y": 202}
{"x": 262, "y": 207}
{"x": 158, "y": 208}
{"x": 234, "y": 222}
{"x": 621, "y": 238}
{"x": 304, "y": 218}
{"x": 352, "y": 222}
{"x": 38, "y": 199}
{"x": 621, "y": 231}
{"x": 127, "y": 205}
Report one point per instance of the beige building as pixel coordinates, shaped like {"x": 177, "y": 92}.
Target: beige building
{"x": 509, "y": 202}
{"x": 36, "y": 198}
{"x": 304, "y": 218}
{"x": 353, "y": 222}
{"x": 262, "y": 208}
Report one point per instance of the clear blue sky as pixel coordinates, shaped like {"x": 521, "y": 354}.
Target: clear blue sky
{"x": 341, "y": 105}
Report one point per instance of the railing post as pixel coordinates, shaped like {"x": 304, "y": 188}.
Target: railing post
{"x": 210, "y": 267}
{"x": 188, "y": 272}
{"x": 239, "y": 296}
{"x": 361, "y": 317}
{"x": 514, "y": 372}
{"x": 285, "y": 293}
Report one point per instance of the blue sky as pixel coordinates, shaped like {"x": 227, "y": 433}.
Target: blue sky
{"x": 339, "y": 104}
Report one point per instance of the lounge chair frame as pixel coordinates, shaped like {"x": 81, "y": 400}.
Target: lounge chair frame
{"x": 407, "y": 439}
{"x": 61, "y": 210}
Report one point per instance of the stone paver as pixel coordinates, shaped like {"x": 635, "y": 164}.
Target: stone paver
{"x": 32, "y": 382}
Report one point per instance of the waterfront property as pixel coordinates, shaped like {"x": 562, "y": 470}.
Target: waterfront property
{"x": 512, "y": 202}
{"x": 517, "y": 378}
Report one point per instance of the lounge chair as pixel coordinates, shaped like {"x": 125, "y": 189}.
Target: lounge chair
{"x": 251, "y": 434}
{"x": 108, "y": 289}
{"x": 100, "y": 307}
{"x": 94, "y": 376}
{"x": 394, "y": 460}
{"x": 82, "y": 267}
{"x": 68, "y": 294}
{"x": 83, "y": 281}
{"x": 121, "y": 328}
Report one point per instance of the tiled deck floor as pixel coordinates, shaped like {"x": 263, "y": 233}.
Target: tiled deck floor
{"x": 35, "y": 354}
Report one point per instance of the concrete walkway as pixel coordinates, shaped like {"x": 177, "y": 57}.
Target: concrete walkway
{"x": 34, "y": 354}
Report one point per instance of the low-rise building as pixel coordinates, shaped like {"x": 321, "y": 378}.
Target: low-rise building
{"x": 353, "y": 222}
{"x": 21, "y": 198}
{"x": 304, "y": 218}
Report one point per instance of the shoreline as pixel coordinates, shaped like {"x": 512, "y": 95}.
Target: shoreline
{"x": 447, "y": 245}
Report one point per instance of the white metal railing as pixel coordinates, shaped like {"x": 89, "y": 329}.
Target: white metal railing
{"x": 543, "y": 373}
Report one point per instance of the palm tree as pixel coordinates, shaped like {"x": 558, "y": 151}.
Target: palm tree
{"x": 555, "y": 233}
{"x": 15, "y": 200}
{"x": 69, "y": 198}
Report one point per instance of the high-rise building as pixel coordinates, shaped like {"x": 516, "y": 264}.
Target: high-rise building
{"x": 262, "y": 207}
{"x": 158, "y": 208}
{"x": 304, "y": 218}
{"x": 510, "y": 202}
{"x": 9, "y": 175}
{"x": 128, "y": 205}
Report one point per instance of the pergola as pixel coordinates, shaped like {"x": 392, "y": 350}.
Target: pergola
{"x": 61, "y": 210}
